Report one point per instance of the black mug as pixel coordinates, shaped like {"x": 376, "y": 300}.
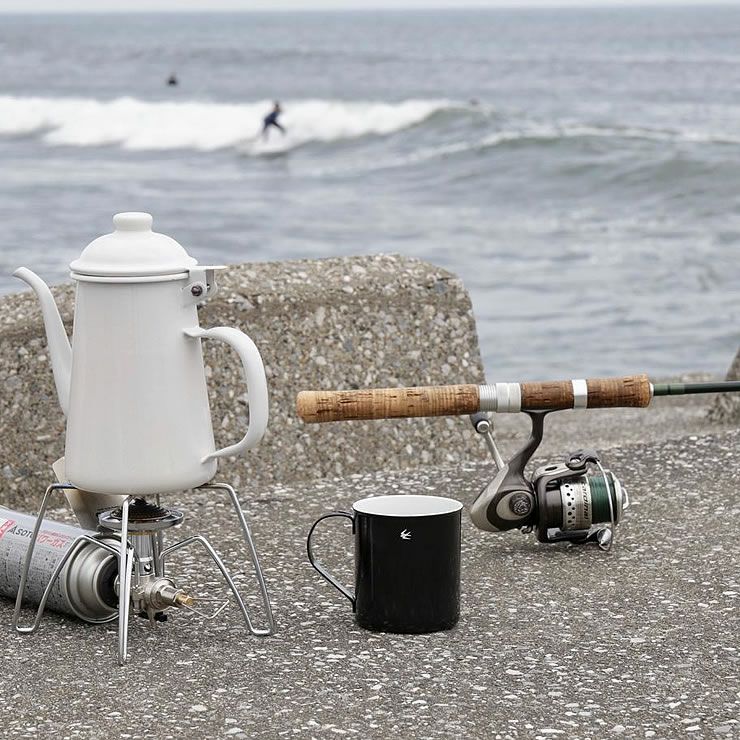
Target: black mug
{"x": 407, "y": 562}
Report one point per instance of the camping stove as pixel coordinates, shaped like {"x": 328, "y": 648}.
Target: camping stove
{"x": 134, "y": 534}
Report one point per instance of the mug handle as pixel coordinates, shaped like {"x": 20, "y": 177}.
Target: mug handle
{"x": 254, "y": 374}
{"x": 320, "y": 568}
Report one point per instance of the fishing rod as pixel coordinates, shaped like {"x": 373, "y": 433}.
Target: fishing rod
{"x": 577, "y": 501}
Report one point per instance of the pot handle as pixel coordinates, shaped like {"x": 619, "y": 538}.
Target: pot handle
{"x": 254, "y": 374}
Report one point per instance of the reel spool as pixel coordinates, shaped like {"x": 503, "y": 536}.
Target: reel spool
{"x": 577, "y": 505}
{"x": 577, "y": 501}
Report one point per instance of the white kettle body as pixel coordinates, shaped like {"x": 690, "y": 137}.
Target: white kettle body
{"x": 138, "y": 417}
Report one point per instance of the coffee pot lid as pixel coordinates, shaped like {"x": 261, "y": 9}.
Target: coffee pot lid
{"x": 132, "y": 250}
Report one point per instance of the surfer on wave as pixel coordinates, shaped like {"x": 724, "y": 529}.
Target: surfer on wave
{"x": 271, "y": 119}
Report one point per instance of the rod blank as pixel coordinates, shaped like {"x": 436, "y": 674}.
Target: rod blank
{"x": 685, "y": 389}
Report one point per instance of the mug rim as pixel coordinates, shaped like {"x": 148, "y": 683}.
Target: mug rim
{"x": 385, "y": 505}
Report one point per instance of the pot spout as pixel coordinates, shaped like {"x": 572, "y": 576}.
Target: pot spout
{"x": 60, "y": 349}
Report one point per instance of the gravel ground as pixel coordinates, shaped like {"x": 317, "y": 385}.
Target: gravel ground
{"x": 552, "y": 642}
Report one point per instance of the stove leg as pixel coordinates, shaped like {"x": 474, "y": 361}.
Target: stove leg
{"x": 29, "y": 557}
{"x": 247, "y": 535}
{"x": 125, "y": 568}
{"x": 77, "y": 545}
{"x": 199, "y": 539}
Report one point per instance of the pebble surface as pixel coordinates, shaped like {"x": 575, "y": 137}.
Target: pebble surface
{"x": 553, "y": 641}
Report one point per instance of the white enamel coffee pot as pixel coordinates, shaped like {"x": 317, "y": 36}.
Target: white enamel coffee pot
{"x": 132, "y": 383}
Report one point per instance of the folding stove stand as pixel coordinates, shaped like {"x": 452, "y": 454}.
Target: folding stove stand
{"x": 143, "y": 562}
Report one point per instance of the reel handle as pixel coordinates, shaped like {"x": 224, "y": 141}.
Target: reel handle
{"x": 451, "y": 400}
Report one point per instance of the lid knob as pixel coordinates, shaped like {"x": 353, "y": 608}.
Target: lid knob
{"x": 133, "y": 221}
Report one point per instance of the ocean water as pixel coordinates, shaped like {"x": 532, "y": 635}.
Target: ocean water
{"x": 580, "y": 170}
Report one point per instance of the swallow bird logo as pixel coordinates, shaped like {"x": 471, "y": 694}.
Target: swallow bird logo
{"x": 405, "y": 535}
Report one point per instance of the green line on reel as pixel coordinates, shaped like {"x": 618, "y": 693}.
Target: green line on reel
{"x": 600, "y": 498}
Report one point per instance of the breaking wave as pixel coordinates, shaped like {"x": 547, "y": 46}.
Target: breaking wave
{"x": 138, "y": 125}
{"x": 525, "y": 133}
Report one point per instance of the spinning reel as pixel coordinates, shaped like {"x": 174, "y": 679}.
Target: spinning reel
{"x": 577, "y": 501}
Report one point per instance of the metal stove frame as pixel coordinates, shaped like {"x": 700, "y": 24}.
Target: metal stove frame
{"x": 128, "y": 558}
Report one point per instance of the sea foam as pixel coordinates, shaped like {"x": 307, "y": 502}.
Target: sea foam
{"x": 140, "y": 125}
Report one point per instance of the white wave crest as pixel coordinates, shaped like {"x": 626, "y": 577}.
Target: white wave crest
{"x": 568, "y": 130}
{"x": 140, "y": 125}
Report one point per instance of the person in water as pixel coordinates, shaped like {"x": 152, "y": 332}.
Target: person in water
{"x": 172, "y": 80}
{"x": 271, "y": 119}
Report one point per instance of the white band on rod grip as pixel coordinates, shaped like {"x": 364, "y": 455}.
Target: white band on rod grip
{"x": 580, "y": 394}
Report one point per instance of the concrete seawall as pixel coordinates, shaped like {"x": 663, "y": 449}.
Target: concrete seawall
{"x": 335, "y": 323}
{"x": 726, "y": 408}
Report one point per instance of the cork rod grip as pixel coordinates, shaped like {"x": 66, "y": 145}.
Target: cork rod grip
{"x": 633, "y": 390}
{"x": 388, "y": 403}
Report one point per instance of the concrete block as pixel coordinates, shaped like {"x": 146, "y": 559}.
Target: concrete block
{"x": 726, "y": 407}
{"x": 334, "y": 323}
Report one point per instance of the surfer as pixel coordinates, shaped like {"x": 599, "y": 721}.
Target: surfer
{"x": 271, "y": 119}
{"x": 172, "y": 80}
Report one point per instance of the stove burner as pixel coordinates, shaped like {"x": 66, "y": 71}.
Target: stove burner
{"x": 143, "y": 516}
{"x": 142, "y": 510}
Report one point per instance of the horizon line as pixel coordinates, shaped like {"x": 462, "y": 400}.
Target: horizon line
{"x": 533, "y": 5}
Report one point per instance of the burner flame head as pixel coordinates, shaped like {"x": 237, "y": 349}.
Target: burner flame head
{"x": 143, "y": 516}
